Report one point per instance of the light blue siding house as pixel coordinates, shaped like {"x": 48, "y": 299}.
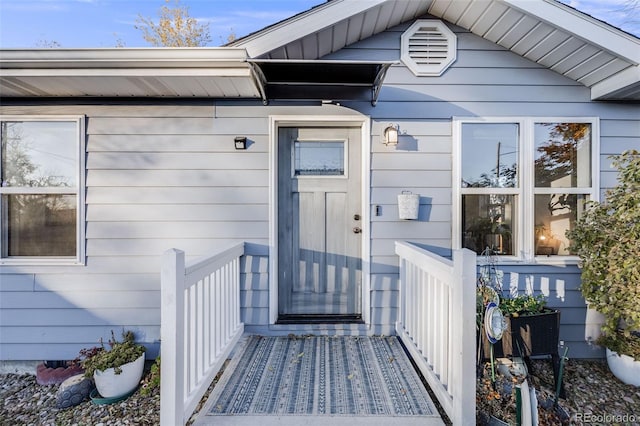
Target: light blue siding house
{"x": 297, "y": 141}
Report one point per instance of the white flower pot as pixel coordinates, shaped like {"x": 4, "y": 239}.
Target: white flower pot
{"x": 625, "y": 368}
{"x": 112, "y": 385}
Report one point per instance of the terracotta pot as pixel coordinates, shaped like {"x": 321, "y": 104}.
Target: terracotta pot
{"x": 112, "y": 385}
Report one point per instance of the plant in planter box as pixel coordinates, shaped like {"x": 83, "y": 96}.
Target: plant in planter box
{"x": 607, "y": 240}
{"x": 532, "y": 327}
{"x": 116, "y": 371}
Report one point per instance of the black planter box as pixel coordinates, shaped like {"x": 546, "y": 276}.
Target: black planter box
{"x": 527, "y": 336}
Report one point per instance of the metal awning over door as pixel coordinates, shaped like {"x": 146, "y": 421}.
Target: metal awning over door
{"x": 321, "y": 80}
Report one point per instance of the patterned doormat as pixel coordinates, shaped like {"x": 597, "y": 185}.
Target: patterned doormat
{"x": 321, "y": 375}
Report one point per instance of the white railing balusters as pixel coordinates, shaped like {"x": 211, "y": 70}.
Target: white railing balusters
{"x": 200, "y": 325}
{"x": 437, "y": 324}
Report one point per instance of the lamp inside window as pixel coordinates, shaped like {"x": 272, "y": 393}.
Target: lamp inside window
{"x": 390, "y": 135}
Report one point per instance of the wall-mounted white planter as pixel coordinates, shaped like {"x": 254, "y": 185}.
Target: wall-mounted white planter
{"x": 408, "y": 205}
{"x": 112, "y": 385}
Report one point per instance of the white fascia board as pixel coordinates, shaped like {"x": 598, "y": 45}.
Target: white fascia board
{"x": 199, "y": 57}
{"x": 299, "y": 26}
{"x": 619, "y": 81}
{"x": 588, "y": 29}
{"x": 243, "y": 71}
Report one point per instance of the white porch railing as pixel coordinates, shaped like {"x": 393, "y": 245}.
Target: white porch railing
{"x": 437, "y": 324}
{"x": 200, "y": 324}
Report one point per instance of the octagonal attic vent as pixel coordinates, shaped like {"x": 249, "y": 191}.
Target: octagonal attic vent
{"x": 428, "y": 47}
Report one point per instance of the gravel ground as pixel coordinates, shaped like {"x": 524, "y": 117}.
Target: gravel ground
{"x": 594, "y": 396}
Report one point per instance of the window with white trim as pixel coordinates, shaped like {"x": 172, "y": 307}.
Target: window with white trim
{"x": 520, "y": 184}
{"x": 41, "y": 170}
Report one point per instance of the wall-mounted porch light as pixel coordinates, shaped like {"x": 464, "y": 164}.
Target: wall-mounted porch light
{"x": 390, "y": 135}
{"x": 240, "y": 142}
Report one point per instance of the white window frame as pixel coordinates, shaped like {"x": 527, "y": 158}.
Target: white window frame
{"x": 79, "y": 258}
{"x": 523, "y": 242}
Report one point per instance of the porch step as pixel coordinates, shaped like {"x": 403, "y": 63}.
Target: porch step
{"x": 319, "y": 380}
{"x": 269, "y": 420}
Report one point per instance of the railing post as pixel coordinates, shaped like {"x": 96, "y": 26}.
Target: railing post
{"x": 172, "y": 338}
{"x": 464, "y": 334}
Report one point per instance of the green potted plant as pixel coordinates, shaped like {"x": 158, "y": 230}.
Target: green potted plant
{"x": 607, "y": 240}
{"x": 532, "y": 327}
{"x": 116, "y": 371}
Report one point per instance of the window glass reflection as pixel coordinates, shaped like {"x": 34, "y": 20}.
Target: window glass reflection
{"x": 563, "y": 155}
{"x": 489, "y": 155}
{"x": 38, "y": 154}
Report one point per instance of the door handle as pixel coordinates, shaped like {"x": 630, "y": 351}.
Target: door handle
{"x": 357, "y": 230}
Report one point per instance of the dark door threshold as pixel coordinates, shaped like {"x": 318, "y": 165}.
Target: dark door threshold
{"x": 320, "y": 319}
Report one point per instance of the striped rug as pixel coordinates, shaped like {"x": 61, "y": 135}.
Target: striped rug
{"x": 321, "y": 375}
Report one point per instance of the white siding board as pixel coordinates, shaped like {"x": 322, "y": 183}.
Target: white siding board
{"x": 116, "y": 318}
{"x": 396, "y": 178}
{"x": 149, "y": 125}
{"x": 176, "y": 178}
{"x": 140, "y": 247}
{"x": 229, "y": 229}
{"x": 484, "y": 76}
{"x": 177, "y": 195}
{"x": 177, "y": 161}
{"x": 16, "y": 282}
{"x": 97, "y": 283}
{"x": 411, "y": 160}
{"x": 441, "y": 110}
{"x": 177, "y": 213}
{"x": 171, "y": 143}
{"x": 511, "y": 93}
{"x": 85, "y": 336}
{"x": 87, "y": 299}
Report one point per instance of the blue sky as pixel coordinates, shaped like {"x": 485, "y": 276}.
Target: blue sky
{"x": 102, "y": 23}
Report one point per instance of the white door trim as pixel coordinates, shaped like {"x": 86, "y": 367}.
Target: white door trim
{"x": 364, "y": 122}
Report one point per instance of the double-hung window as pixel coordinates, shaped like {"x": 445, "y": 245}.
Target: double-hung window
{"x": 520, "y": 184}
{"x": 41, "y": 199}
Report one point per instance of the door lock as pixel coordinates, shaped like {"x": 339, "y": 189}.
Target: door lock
{"x": 356, "y": 217}
{"x": 357, "y": 230}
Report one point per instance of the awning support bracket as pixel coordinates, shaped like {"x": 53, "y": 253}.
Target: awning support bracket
{"x": 260, "y": 81}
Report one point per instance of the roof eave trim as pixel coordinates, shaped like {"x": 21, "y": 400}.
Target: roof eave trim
{"x": 122, "y": 58}
{"x": 606, "y": 89}
{"x": 589, "y": 29}
{"x": 301, "y": 25}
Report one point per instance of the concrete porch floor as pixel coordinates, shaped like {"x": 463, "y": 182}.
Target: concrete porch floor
{"x": 319, "y": 380}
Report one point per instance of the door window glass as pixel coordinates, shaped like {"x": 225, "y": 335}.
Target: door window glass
{"x": 319, "y": 158}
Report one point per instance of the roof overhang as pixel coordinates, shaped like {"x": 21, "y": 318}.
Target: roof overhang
{"x": 146, "y": 72}
{"x": 547, "y": 32}
{"x": 178, "y": 73}
{"x": 320, "y": 80}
